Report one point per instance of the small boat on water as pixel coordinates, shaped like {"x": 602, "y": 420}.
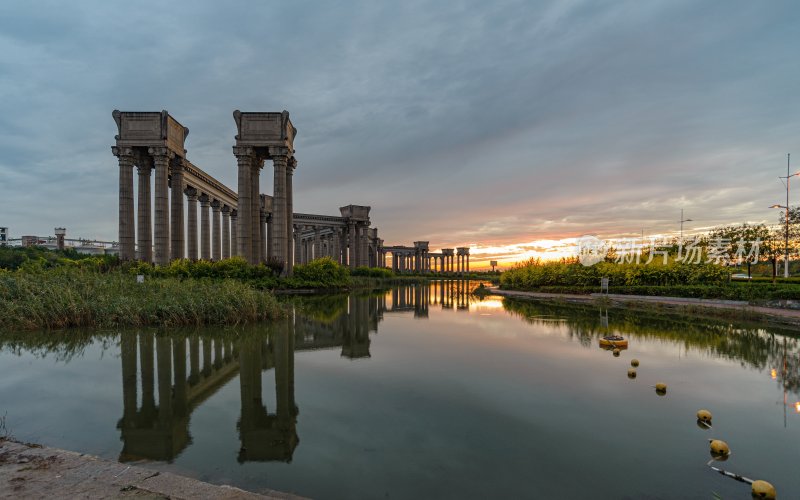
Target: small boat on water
{"x": 612, "y": 341}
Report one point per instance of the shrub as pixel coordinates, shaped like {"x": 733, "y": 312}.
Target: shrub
{"x": 372, "y": 272}
{"x": 319, "y": 273}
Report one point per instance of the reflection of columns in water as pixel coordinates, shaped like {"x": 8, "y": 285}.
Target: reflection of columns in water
{"x": 206, "y": 357}
{"x": 194, "y": 359}
{"x": 129, "y": 392}
{"x": 146, "y": 357}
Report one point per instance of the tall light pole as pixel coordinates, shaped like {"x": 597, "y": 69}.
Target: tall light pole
{"x": 682, "y": 221}
{"x": 786, "y": 207}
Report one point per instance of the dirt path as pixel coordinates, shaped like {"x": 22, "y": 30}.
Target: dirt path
{"x": 32, "y": 471}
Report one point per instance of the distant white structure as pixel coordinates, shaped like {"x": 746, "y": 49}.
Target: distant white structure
{"x": 61, "y": 242}
{"x": 3, "y": 235}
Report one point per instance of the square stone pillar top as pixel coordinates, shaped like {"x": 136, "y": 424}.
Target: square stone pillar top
{"x": 447, "y": 251}
{"x": 267, "y": 129}
{"x": 266, "y": 203}
{"x": 357, "y": 213}
{"x": 373, "y": 233}
{"x": 463, "y": 250}
{"x": 150, "y": 129}
{"x": 423, "y": 245}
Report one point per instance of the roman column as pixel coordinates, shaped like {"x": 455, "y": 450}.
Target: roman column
{"x": 364, "y": 250}
{"x": 234, "y": 231}
{"x": 336, "y": 250}
{"x": 144, "y": 250}
{"x": 216, "y": 247}
{"x": 191, "y": 223}
{"x": 291, "y": 164}
{"x": 255, "y": 213}
{"x": 352, "y": 229}
{"x": 177, "y": 245}
{"x": 262, "y": 226}
{"x": 244, "y": 247}
{"x": 127, "y": 233}
{"x": 269, "y": 236}
{"x": 298, "y": 247}
{"x": 467, "y": 256}
{"x": 226, "y": 232}
{"x": 317, "y": 244}
{"x": 280, "y": 238}
{"x": 161, "y": 159}
{"x": 205, "y": 230}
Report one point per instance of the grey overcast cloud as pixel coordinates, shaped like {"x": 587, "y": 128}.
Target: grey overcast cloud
{"x": 492, "y": 124}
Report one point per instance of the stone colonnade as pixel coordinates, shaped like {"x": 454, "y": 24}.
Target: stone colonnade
{"x": 346, "y": 240}
{"x": 418, "y": 259}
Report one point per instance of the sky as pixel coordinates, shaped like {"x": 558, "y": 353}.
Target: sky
{"x": 505, "y": 126}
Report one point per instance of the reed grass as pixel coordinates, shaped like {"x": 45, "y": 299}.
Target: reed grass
{"x": 78, "y": 298}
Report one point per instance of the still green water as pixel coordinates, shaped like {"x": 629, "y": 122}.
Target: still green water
{"x": 422, "y": 392}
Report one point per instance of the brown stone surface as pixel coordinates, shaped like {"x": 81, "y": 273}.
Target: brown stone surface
{"x": 32, "y": 471}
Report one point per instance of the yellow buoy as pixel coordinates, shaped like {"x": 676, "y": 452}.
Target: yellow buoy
{"x": 616, "y": 352}
{"x": 762, "y": 489}
{"x": 661, "y": 388}
{"x": 704, "y": 416}
{"x": 719, "y": 448}
{"x": 631, "y": 373}
{"x": 634, "y": 362}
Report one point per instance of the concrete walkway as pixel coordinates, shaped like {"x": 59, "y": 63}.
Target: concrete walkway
{"x": 785, "y": 316}
{"x": 32, "y": 471}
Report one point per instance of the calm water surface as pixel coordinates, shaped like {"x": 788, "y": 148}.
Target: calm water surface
{"x": 422, "y": 392}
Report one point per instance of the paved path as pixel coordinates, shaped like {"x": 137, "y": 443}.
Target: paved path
{"x": 32, "y": 471}
{"x": 787, "y": 316}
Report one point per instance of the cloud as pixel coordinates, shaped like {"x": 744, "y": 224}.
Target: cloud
{"x": 460, "y": 123}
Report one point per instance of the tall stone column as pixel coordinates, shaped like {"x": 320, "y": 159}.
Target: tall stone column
{"x": 279, "y": 226}
{"x": 317, "y": 244}
{"x": 298, "y": 246}
{"x": 262, "y": 226}
{"x": 244, "y": 243}
{"x": 269, "y": 236}
{"x": 343, "y": 246}
{"x": 177, "y": 242}
{"x": 191, "y": 223}
{"x": 161, "y": 235}
{"x": 335, "y": 244}
{"x": 255, "y": 213}
{"x": 127, "y": 233}
{"x": 226, "y": 232}
{"x": 216, "y": 232}
{"x": 352, "y": 258}
{"x": 467, "y": 256}
{"x": 144, "y": 250}
{"x": 205, "y": 229}
{"x": 364, "y": 250}
{"x": 234, "y": 231}
{"x": 291, "y": 164}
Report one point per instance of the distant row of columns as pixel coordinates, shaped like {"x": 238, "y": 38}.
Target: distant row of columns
{"x": 349, "y": 245}
{"x": 421, "y": 261}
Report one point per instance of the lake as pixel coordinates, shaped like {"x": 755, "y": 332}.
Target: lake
{"x": 422, "y": 391}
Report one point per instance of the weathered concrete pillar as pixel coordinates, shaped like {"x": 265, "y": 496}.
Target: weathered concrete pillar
{"x": 177, "y": 241}
{"x": 127, "y": 233}
{"x": 291, "y": 164}
{"x": 191, "y": 223}
{"x": 144, "y": 250}
{"x": 262, "y": 226}
{"x": 467, "y": 262}
{"x": 161, "y": 235}
{"x": 317, "y": 244}
{"x": 336, "y": 251}
{"x": 244, "y": 243}
{"x": 164, "y": 360}
{"x": 128, "y": 352}
{"x": 226, "y": 232}
{"x": 216, "y": 231}
{"x": 269, "y": 236}
{"x": 205, "y": 229}
{"x": 298, "y": 246}
{"x": 234, "y": 231}
{"x": 255, "y": 213}
{"x": 352, "y": 258}
{"x": 280, "y": 238}
{"x": 364, "y": 242}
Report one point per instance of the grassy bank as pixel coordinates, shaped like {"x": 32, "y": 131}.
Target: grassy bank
{"x": 705, "y": 281}
{"x": 77, "y": 298}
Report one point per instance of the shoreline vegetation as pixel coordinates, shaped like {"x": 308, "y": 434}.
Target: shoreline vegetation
{"x": 45, "y": 289}
{"x": 702, "y": 281}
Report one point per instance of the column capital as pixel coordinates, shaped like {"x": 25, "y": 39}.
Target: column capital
{"x": 243, "y": 151}
{"x": 292, "y": 163}
{"x": 226, "y": 210}
{"x": 234, "y": 213}
{"x": 144, "y": 169}
{"x": 279, "y": 152}
{"x": 215, "y": 204}
{"x": 190, "y": 193}
{"x": 204, "y": 199}
{"x": 123, "y": 151}
{"x": 159, "y": 151}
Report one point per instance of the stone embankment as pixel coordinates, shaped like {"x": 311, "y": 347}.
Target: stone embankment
{"x": 33, "y": 471}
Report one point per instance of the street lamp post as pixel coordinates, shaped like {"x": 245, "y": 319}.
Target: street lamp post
{"x": 680, "y": 242}
{"x": 786, "y": 207}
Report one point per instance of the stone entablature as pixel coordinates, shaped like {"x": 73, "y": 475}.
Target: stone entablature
{"x": 148, "y": 129}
